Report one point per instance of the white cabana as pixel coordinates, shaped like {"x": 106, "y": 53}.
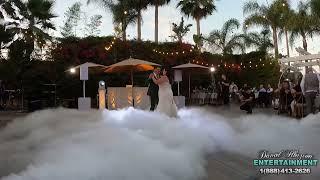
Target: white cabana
{"x": 190, "y": 66}
{"x": 84, "y": 103}
{"x": 298, "y": 63}
{"x": 304, "y": 60}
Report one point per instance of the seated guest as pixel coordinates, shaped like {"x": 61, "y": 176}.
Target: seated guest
{"x": 195, "y": 89}
{"x": 233, "y": 90}
{"x": 262, "y": 96}
{"x": 269, "y": 95}
{"x": 244, "y": 87}
{"x": 247, "y": 100}
{"x": 298, "y": 101}
{"x": 285, "y": 98}
{"x": 2, "y": 95}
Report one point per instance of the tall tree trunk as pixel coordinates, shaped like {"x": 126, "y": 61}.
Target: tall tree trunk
{"x": 305, "y": 45}
{"x": 287, "y": 42}
{"x": 198, "y": 25}
{"x": 156, "y": 22}
{"x": 124, "y": 31}
{"x": 275, "y": 42}
{"x": 139, "y": 26}
{"x": 304, "y": 41}
{"x": 124, "y": 35}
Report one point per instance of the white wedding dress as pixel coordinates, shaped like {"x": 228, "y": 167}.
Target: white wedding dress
{"x": 166, "y": 103}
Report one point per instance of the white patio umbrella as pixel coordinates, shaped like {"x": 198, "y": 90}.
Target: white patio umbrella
{"x": 131, "y": 65}
{"x": 190, "y": 66}
{"x": 89, "y": 65}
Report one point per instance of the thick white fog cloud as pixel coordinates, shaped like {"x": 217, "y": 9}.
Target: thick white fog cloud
{"x": 137, "y": 145}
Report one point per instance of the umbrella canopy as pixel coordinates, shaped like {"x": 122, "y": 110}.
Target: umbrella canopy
{"x": 131, "y": 64}
{"x": 190, "y": 66}
{"x": 89, "y": 64}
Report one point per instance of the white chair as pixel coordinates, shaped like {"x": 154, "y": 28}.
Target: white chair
{"x": 202, "y": 97}
{"x": 213, "y": 98}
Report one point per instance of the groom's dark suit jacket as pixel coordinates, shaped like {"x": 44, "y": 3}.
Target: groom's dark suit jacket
{"x": 153, "y": 88}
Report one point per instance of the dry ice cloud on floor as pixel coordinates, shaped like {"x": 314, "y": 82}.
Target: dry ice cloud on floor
{"x": 138, "y": 145}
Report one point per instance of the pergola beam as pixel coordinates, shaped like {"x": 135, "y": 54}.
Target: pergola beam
{"x": 300, "y": 58}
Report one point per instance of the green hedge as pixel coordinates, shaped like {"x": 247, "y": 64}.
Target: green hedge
{"x": 73, "y": 51}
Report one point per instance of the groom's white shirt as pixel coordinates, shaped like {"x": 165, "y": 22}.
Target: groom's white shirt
{"x": 155, "y": 75}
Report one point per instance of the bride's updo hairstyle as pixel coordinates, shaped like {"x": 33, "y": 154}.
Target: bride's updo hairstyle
{"x": 164, "y": 69}
{"x": 167, "y": 73}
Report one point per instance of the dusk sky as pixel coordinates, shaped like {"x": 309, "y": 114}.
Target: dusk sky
{"x": 226, "y": 9}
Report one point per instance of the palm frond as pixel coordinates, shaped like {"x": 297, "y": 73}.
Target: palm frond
{"x": 252, "y": 7}
{"x": 102, "y": 3}
{"x": 293, "y": 36}
{"x": 196, "y": 8}
{"x": 256, "y": 20}
{"x": 229, "y": 27}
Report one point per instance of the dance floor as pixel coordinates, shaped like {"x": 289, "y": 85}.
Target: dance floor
{"x": 226, "y": 162}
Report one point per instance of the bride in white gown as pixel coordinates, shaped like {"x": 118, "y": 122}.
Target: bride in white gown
{"x": 166, "y": 103}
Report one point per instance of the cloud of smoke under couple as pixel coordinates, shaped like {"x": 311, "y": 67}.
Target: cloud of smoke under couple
{"x": 138, "y": 145}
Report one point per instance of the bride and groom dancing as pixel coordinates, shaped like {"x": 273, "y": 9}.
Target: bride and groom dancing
{"x": 160, "y": 93}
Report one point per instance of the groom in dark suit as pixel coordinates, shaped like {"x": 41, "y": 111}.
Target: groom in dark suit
{"x": 153, "y": 88}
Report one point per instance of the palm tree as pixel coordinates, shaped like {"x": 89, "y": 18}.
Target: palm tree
{"x": 138, "y": 6}
{"x": 315, "y": 6}
{"x": 301, "y": 24}
{"x": 285, "y": 11}
{"x": 226, "y": 40}
{"x": 5, "y": 35}
{"x": 123, "y": 16}
{"x": 260, "y": 40}
{"x": 265, "y": 16}
{"x": 197, "y": 9}
{"x": 32, "y": 22}
{"x": 156, "y": 4}
{"x": 127, "y": 9}
{"x": 180, "y": 30}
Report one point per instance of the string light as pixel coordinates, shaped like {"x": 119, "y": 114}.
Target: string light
{"x": 251, "y": 64}
{"x": 107, "y": 48}
{"x": 171, "y": 53}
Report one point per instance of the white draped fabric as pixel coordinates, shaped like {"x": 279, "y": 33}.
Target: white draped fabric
{"x": 121, "y": 97}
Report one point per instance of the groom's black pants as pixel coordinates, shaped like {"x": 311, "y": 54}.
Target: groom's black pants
{"x": 154, "y": 99}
